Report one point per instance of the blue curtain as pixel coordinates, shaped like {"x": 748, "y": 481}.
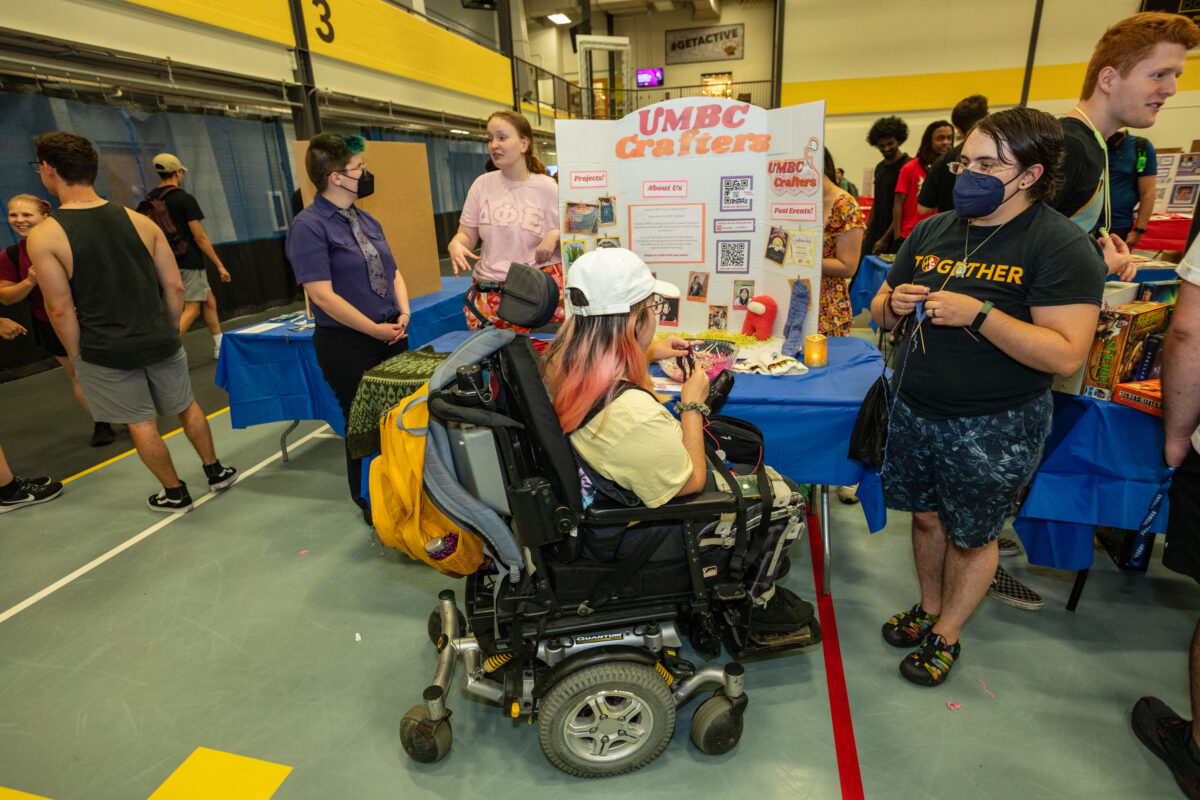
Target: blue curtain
{"x": 238, "y": 170}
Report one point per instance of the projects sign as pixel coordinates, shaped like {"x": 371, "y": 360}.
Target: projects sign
{"x": 717, "y": 43}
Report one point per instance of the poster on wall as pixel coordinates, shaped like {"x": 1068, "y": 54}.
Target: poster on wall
{"x": 716, "y": 43}
{"x": 722, "y": 198}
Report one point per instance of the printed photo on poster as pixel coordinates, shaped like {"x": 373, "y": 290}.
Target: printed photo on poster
{"x": 1183, "y": 197}
{"x": 582, "y": 218}
{"x": 718, "y": 318}
{"x": 1189, "y": 165}
{"x": 743, "y": 292}
{"x": 669, "y": 316}
{"x": 608, "y": 241}
{"x": 777, "y": 245}
{"x": 733, "y": 255}
{"x": 697, "y": 286}
{"x": 572, "y": 249}
{"x": 608, "y": 210}
{"x": 737, "y": 193}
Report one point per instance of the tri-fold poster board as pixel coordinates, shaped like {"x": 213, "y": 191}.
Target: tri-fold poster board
{"x": 719, "y": 197}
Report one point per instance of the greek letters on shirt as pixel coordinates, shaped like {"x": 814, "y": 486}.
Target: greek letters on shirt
{"x": 998, "y": 273}
{"x": 505, "y": 214}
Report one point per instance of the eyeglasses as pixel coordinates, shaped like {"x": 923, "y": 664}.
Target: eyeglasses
{"x": 958, "y": 168}
{"x": 37, "y": 166}
{"x": 659, "y": 304}
{"x": 359, "y": 167}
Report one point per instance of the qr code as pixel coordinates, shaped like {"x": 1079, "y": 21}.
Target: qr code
{"x": 733, "y": 256}
{"x": 736, "y": 193}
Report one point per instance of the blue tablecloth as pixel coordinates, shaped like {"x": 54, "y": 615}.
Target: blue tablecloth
{"x": 1101, "y": 466}
{"x": 805, "y": 419}
{"x": 871, "y": 272}
{"x": 272, "y": 375}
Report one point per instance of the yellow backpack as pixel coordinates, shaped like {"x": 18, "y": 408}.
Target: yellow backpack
{"x": 402, "y": 513}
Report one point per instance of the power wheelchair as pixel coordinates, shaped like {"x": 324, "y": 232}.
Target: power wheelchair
{"x": 591, "y": 647}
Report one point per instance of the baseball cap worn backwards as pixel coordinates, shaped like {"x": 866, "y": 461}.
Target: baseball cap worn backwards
{"x": 165, "y": 162}
{"x": 611, "y": 280}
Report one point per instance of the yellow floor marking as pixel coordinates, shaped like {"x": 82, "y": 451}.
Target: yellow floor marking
{"x": 128, "y": 453}
{"x": 13, "y": 794}
{"x": 211, "y": 773}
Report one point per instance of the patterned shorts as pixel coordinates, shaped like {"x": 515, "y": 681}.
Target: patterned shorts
{"x": 487, "y": 303}
{"x": 968, "y": 469}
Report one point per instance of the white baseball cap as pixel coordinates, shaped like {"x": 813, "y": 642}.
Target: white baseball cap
{"x": 611, "y": 280}
{"x": 165, "y": 162}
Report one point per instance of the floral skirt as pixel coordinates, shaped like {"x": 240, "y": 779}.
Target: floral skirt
{"x": 486, "y": 303}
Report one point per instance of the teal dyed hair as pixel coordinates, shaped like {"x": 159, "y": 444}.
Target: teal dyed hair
{"x": 330, "y": 152}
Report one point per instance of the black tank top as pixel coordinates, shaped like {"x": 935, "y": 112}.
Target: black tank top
{"x": 123, "y": 321}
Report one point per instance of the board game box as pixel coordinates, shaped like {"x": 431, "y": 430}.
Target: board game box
{"x": 1117, "y": 350}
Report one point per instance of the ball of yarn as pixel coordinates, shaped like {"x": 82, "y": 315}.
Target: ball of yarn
{"x": 760, "y": 317}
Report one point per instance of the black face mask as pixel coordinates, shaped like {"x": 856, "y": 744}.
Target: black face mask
{"x": 366, "y": 184}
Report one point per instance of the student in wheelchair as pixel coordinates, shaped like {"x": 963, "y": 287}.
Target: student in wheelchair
{"x": 606, "y": 539}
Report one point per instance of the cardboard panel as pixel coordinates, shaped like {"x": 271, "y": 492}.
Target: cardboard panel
{"x": 403, "y": 204}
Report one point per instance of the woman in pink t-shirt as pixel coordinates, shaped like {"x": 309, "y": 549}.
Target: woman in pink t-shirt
{"x": 514, "y": 211}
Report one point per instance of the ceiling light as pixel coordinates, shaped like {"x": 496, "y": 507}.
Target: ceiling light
{"x": 560, "y": 19}
{"x": 457, "y": 130}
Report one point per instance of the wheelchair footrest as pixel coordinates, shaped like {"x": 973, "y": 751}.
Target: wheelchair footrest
{"x": 765, "y": 644}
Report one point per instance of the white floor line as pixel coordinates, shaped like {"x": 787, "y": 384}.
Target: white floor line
{"x": 128, "y": 543}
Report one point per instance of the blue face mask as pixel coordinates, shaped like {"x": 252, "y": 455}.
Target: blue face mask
{"x": 978, "y": 195}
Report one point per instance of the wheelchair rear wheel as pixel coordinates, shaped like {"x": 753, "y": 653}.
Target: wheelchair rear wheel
{"x": 606, "y": 719}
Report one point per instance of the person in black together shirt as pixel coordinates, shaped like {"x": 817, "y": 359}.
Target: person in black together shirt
{"x": 886, "y": 135}
{"x": 991, "y": 302}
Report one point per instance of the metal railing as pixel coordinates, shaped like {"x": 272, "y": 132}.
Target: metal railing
{"x": 543, "y": 96}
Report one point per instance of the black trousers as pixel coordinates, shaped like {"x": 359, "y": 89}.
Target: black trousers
{"x": 344, "y": 355}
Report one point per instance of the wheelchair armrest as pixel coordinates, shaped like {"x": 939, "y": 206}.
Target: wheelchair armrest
{"x": 704, "y": 504}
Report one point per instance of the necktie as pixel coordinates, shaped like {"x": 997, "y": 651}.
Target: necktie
{"x": 374, "y": 261}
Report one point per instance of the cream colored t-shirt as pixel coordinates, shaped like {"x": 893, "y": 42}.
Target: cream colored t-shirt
{"x": 1189, "y": 270}
{"x": 638, "y": 445}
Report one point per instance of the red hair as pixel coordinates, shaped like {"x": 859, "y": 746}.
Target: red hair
{"x": 1129, "y": 41}
{"x": 589, "y": 358}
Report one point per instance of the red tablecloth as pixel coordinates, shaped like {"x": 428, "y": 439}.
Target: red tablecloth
{"x": 1165, "y": 232}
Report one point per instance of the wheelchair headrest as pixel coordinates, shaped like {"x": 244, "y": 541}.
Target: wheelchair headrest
{"x": 529, "y": 297}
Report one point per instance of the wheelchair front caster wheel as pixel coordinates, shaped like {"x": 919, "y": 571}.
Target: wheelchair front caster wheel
{"x": 717, "y": 725}
{"x": 423, "y": 739}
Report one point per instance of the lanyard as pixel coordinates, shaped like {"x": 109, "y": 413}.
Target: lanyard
{"x": 1104, "y": 149}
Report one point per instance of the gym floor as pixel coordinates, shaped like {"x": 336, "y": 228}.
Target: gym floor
{"x": 261, "y": 647}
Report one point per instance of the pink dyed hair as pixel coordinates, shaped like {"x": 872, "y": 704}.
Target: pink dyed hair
{"x": 587, "y": 360}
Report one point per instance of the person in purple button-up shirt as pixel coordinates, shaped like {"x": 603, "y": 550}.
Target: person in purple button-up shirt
{"x": 341, "y": 258}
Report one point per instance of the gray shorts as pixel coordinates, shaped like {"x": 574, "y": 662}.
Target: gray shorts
{"x": 968, "y": 469}
{"x": 136, "y": 395}
{"x": 195, "y": 285}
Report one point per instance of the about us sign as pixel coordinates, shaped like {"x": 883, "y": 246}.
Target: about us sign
{"x": 717, "y": 43}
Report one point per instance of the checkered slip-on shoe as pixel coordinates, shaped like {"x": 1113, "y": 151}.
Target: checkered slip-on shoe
{"x": 1009, "y": 547}
{"x": 1011, "y": 591}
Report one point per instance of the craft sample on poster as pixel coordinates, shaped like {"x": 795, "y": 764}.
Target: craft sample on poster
{"x": 777, "y": 246}
{"x": 671, "y": 233}
{"x": 807, "y": 285}
{"x": 608, "y": 210}
{"x": 718, "y": 318}
{"x": 733, "y": 256}
{"x": 737, "y": 193}
{"x": 608, "y": 241}
{"x": 697, "y": 286}
{"x": 572, "y": 249}
{"x": 743, "y": 292}
{"x": 582, "y": 218}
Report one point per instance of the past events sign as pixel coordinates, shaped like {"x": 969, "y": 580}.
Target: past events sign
{"x": 720, "y": 198}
